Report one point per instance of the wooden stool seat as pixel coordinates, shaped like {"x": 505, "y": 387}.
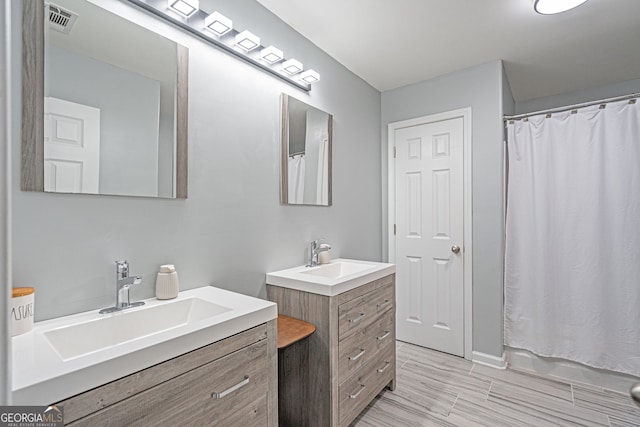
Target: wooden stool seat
{"x": 291, "y": 330}
{"x": 293, "y": 366}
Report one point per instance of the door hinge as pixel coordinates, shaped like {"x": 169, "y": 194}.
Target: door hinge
{"x": 394, "y": 152}
{"x": 394, "y": 229}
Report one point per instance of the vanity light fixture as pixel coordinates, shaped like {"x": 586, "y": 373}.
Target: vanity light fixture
{"x": 550, "y": 7}
{"x": 247, "y": 40}
{"x": 218, "y": 23}
{"x": 292, "y": 66}
{"x": 217, "y": 30}
{"x": 310, "y": 76}
{"x": 185, "y": 8}
{"x": 271, "y": 54}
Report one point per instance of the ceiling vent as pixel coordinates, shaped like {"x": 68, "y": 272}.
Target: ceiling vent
{"x": 61, "y": 19}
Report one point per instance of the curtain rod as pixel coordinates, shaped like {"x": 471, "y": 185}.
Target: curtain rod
{"x": 572, "y": 107}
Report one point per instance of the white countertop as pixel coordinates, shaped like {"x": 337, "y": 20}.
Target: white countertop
{"x": 302, "y": 278}
{"x": 42, "y": 377}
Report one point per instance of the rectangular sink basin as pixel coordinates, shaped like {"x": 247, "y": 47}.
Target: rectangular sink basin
{"x": 337, "y": 270}
{"x": 121, "y": 327}
{"x": 339, "y": 276}
{"x": 64, "y": 356}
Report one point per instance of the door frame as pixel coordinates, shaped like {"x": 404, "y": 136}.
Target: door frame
{"x": 467, "y": 244}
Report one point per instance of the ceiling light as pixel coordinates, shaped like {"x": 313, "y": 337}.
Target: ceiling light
{"x": 247, "y": 40}
{"x": 549, "y": 7}
{"x": 292, "y": 66}
{"x": 310, "y": 76}
{"x": 218, "y": 23}
{"x": 184, "y": 7}
{"x": 271, "y": 54}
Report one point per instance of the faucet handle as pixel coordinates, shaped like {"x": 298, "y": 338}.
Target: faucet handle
{"x": 122, "y": 268}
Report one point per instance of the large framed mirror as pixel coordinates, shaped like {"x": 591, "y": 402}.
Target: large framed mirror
{"x": 305, "y": 154}
{"x": 104, "y": 104}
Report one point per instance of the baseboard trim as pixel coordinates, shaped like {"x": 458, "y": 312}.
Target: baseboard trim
{"x": 567, "y": 370}
{"x": 489, "y": 360}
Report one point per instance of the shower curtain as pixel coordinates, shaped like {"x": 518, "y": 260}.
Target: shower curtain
{"x": 296, "y": 169}
{"x": 572, "y": 260}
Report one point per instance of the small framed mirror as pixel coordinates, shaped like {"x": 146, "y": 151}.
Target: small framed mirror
{"x": 104, "y": 104}
{"x": 305, "y": 154}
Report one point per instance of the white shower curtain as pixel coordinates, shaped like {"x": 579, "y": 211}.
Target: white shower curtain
{"x": 572, "y": 264}
{"x": 296, "y": 168}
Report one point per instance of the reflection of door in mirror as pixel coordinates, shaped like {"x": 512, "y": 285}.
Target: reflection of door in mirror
{"x": 306, "y": 154}
{"x": 71, "y": 147}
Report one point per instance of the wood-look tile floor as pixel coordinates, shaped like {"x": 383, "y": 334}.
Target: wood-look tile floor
{"x": 437, "y": 389}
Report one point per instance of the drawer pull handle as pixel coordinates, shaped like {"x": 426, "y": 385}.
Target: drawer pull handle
{"x": 356, "y": 394}
{"x": 384, "y": 368}
{"x": 357, "y": 319}
{"x": 384, "y": 304}
{"x": 386, "y": 334}
{"x": 357, "y": 356}
{"x": 222, "y": 394}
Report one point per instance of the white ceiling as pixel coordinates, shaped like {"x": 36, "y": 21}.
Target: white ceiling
{"x": 394, "y": 43}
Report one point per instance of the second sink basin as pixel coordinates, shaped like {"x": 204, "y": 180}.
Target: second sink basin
{"x": 120, "y": 327}
{"x": 339, "y": 276}
{"x": 337, "y": 269}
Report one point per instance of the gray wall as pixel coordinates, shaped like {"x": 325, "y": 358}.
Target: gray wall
{"x": 129, "y": 106}
{"x": 508, "y": 104}
{"x": 580, "y": 96}
{"x": 480, "y": 88}
{"x": 231, "y": 229}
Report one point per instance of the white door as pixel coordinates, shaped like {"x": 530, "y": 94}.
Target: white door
{"x": 429, "y": 217}
{"x": 71, "y": 147}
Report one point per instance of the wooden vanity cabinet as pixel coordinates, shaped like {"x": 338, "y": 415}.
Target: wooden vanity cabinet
{"x": 351, "y": 357}
{"x": 232, "y": 382}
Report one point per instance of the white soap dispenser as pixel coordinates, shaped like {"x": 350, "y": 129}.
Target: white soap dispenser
{"x": 167, "y": 285}
{"x": 323, "y": 254}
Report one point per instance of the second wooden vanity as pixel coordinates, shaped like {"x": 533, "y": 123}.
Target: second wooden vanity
{"x": 351, "y": 356}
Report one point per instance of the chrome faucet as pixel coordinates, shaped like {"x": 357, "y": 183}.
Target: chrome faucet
{"x": 123, "y": 282}
{"x": 314, "y": 250}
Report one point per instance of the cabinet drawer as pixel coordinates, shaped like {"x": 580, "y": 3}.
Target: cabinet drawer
{"x": 362, "y": 346}
{"x": 355, "y": 394}
{"x": 235, "y": 384}
{"x": 357, "y": 314}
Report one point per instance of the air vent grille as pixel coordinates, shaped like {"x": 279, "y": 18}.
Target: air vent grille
{"x": 60, "y": 19}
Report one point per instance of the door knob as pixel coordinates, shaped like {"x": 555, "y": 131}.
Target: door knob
{"x": 455, "y": 249}
{"x": 635, "y": 393}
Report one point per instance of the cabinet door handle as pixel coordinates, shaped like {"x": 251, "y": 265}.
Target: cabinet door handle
{"x": 222, "y": 394}
{"x": 356, "y": 394}
{"x": 384, "y": 304}
{"x": 357, "y": 356}
{"x": 357, "y": 319}
{"x": 386, "y": 334}
{"x": 384, "y": 368}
